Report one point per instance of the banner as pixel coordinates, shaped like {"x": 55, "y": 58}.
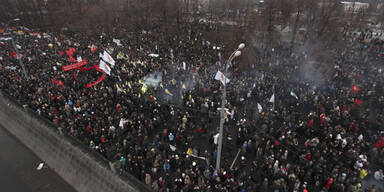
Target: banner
{"x": 84, "y": 69}
{"x": 96, "y": 82}
{"x": 104, "y": 67}
{"x": 74, "y": 66}
{"x": 107, "y": 58}
{"x": 220, "y": 76}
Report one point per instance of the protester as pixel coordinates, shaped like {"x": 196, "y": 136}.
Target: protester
{"x": 155, "y": 115}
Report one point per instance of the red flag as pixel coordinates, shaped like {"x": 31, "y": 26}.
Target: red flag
{"x": 93, "y": 49}
{"x": 357, "y": 101}
{"x": 75, "y": 66}
{"x": 96, "y": 82}
{"x": 89, "y": 128}
{"x": 307, "y": 157}
{"x": 380, "y": 143}
{"x": 70, "y": 51}
{"x": 72, "y": 59}
{"x": 322, "y": 117}
{"x": 74, "y": 75}
{"x": 59, "y": 83}
{"x": 329, "y": 182}
{"x": 310, "y": 123}
{"x": 61, "y": 52}
{"x": 355, "y": 89}
{"x": 2, "y": 30}
{"x": 15, "y": 55}
{"x": 277, "y": 143}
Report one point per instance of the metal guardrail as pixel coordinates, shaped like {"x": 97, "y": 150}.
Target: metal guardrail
{"x": 130, "y": 179}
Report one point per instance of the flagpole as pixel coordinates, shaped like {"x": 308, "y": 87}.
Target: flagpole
{"x": 223, "y": 99}
{"x": 274, "y": 98}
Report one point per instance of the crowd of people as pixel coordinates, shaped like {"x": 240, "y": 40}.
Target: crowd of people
{"x": 157, "y": 114}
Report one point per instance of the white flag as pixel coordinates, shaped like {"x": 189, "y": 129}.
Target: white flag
{"x": 103, "y": 66}
{"x": 79, "y": 59}
{"x": 272, "y": 99}
{"x": 153, "y": 55}
{"x": 220, "y": 76}
{"x": 107, "y": 58}
{"x": 173, "y": 148}
{"x": 117, "y": 41}
{"x": 184, "y": 66}
{"x": 259, "y": 108}
{"x": 18, "y": 46}
{"x": 294, "y": 95}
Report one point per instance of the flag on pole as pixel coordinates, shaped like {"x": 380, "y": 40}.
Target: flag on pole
{"x": 259, "y": 107}
{"x": 93, "y": 48}
{"x": 117, "y": 41}
{"x": 272, "y": 99}
{"x": 59, "y": 83}
{"x": 220, "y": 76}
{"x": 355, "y": 89}
{"x": 104, "y": 67}
{"x": 107, "y": 58}
{"x": 359, "y": 102}
{"x": 294, "y": 95}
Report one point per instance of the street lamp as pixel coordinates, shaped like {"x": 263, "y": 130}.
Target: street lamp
{"x": 16, "y": 50}
{"x": 236, "y": 53}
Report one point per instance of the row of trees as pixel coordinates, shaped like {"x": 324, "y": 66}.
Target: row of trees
{"x": 320, "y": 22}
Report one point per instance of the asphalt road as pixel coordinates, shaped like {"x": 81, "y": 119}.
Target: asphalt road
{"x": 18, "y": 169}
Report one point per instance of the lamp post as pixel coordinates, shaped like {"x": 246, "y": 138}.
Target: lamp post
{"x": 236, "y": 53}
{"x": 15, "y": 48}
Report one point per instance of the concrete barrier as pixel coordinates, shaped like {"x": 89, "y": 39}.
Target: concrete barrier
{"x": 75, "y": 163}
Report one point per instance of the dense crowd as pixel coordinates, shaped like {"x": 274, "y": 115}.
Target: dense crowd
{"x": 156, "y": 115}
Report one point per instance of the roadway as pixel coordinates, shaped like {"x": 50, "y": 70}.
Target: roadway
{"x": 18, "y": 169}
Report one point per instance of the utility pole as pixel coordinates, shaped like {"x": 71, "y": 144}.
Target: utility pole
{"x": 223, "y": 100}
